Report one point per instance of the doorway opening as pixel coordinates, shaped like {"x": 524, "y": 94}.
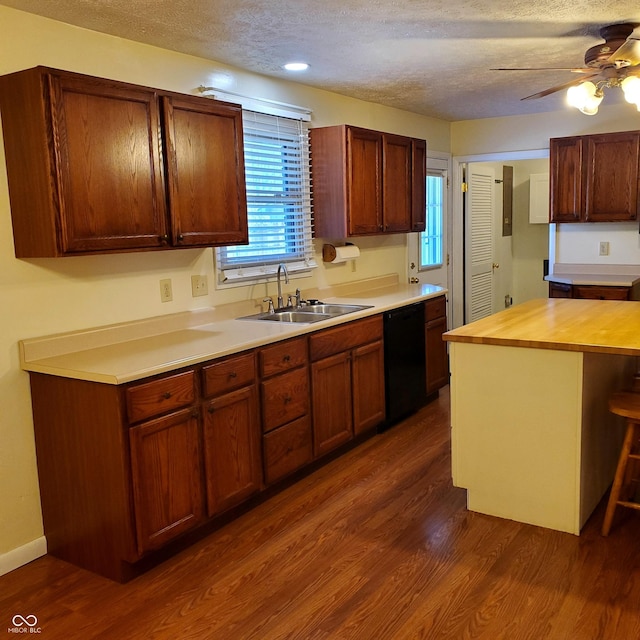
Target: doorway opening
{"x": 514, "y": 263}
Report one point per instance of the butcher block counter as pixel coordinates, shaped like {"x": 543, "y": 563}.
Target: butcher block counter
{"x": 532, "y": 438}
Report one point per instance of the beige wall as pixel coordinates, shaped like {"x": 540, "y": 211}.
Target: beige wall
{"x": 45, "y": 296}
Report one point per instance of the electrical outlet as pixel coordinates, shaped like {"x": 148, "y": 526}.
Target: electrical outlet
{"x": 199, "y": 286}
{"x": 603, "y": 249}
{"x": 166, "y": 291}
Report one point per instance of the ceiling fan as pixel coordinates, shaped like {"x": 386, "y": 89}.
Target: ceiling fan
{"x": 612, "y": 63}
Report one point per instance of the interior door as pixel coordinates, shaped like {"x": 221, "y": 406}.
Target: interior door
{"x": 478, "y": 236}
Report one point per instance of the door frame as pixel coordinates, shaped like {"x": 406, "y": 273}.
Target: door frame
{"x": 456, "y": 230}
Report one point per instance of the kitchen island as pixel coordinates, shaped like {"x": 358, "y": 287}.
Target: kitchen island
{"x": 532, "y": 437}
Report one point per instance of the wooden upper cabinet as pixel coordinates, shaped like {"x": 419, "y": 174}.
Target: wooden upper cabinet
{"x": 566, "y": 179}
{"x": 611, "y": 191}
{"x": 207, "y": 193}
{"x": 86, "y": 166}
{"x": 419, "y": 185}
{"x": 366, "y": 182}
{"x": 397, "y": 183}
{"x": 106, "y": 158}
{"x": 595, "y": 178}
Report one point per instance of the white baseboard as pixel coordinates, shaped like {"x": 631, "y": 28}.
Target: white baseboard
{"x": 22, "y": 555}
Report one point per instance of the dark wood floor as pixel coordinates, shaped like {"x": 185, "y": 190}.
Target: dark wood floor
{"x": 376, "y": 545}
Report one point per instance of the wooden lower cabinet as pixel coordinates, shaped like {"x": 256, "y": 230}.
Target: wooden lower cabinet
{"x": 347, "y": 382}
{"x": 332, "y": 402}
{"x": 125, "y": 470}
{"x": 287, "y": 449}
{"x": 166, "y": 478}
{"x": 437, "y": 359}
{"x": 233, "y": 467}
{"x": 593, "y": 292}
{"x": 285, "y": 402}
{"x": 367, "y": 367}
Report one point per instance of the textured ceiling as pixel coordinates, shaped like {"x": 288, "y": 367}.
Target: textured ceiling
{"x": 432, "y": 57}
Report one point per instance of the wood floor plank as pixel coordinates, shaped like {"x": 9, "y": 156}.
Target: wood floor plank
{"x": 375, "y": 545}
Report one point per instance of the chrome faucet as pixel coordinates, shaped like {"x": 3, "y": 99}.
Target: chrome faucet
{"x": 281, "y": 267}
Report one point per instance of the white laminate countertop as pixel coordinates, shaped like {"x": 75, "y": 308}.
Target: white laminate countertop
{"x": 609, "y": 275}
{"x": 121, "y": 353}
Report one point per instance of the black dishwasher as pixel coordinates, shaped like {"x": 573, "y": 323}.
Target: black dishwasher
{"x": 404, "y": 362}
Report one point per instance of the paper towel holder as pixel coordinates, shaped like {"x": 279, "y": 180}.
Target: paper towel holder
{"x": 331, "y": 253}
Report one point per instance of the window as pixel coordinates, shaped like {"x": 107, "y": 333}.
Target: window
{"x": 431, "y": 238}
{"x": 278, "y": 201}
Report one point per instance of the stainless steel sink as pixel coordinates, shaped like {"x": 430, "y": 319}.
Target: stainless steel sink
{"x": 306, "y": 314}
{"x": 332, "y": 309}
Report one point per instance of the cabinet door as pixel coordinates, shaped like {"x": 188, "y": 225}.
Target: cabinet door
{"x": 107, "y": 159}
{"x": 232, "y": 449}
{"x": 205, "y": 159}
{"x": 397, "y": 183}
{"x": 611, "y": 192}
{"x": 566, "y": 162}
{"x": 368, "y": 387}
{"x": 419, "y": 185}
{"x": 436, "y": 352}
{"x": 167, "y": 478}
{"x": 332, "y": 404}
{"x": 364, "y": 167}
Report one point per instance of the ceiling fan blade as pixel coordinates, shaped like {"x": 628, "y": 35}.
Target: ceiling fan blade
{"x": 629, "y": 51}
{"x": 633, "y": 71}
{"x": 572, "y": 69}
{"x": 560, "y": 87}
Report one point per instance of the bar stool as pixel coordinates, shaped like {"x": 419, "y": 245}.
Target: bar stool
{"x": 625, "y": 489}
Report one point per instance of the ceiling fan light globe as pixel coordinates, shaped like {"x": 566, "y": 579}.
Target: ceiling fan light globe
{"x": 581, "y": 94}
{"x": 631, "y": 89}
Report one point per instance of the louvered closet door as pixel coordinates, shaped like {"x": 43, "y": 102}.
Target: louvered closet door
{"x": 479, "y": 242}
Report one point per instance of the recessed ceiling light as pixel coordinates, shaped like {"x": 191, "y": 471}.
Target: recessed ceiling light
{"x": 296, "y": 66}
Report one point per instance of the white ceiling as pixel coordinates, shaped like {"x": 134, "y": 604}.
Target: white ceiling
{"x": 432, "y": 57}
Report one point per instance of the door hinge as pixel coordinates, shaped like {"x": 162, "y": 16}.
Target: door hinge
{"x": 465, "y": 187}
{"x": 447, "y": 259}
{"x": 448, "y": 182}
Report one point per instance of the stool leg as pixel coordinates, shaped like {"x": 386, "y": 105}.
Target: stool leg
{"x": 619, "y": 477}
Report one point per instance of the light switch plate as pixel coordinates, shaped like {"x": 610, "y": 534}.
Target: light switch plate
{"x": 199, "y": 286}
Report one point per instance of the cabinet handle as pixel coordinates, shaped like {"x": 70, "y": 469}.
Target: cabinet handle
{"x": 287, "y": 399}
{"x": 287, "y": 358}
{"x": 180, "y": 237}
{"x": 164, "y": 239}
{"x": 166, "y": 395}
{"x": 210, "y": 409}
{"x": 233, "y": 375}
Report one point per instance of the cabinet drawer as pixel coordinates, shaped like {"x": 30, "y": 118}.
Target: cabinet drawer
{"x": 560, "y": 290}
{"x": 228, "y": 374}
{"x": 282, "y": 356}
{"x": 435, "y": 308}
{"x": 160, "y": 396}
{"x": 331, "y": 341}
{"x": 600, "y": 293}
{"x": 287, "y": 449}
{"x": 285, "y": 398}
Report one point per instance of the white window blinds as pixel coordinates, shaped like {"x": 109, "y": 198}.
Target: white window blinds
{"x": 276, "y": 151}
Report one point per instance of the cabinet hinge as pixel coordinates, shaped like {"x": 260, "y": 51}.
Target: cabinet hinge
{"x": 465, "y": 187}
